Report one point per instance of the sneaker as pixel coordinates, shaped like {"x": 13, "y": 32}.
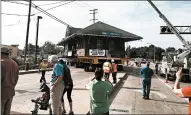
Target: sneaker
{"x": 71, "y": 113}
{"x": 63, "y": 112}
{"x": 144, "y": 97}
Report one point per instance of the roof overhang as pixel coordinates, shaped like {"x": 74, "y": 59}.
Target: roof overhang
{"x": 126, "y": 39}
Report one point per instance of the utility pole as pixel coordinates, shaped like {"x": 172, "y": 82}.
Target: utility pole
{"x": 37, "y": 29}
{"x": 27, "y": 33}
{"x": 94, "y": 12}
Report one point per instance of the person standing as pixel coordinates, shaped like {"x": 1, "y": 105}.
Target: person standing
{"x": 68, "y": 88}
{"x": 147, "y": 74}
{"x": 43, "y": 68}
{"x": 99, "y": 102}
{"x": 107, "y": 69}
{"x": 56, "y": 85}
{"x": 156, "y": 68}
{"x": 182, "y": 92}
{"x": 9, "y": 78}
{"x": 114, "y": 71}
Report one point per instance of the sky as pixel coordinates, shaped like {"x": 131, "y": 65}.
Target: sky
{"x": 137, "y": 17}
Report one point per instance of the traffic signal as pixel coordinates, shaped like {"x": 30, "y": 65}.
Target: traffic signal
{"x": 180, "y": 29}
{"x": 165, "y": 30}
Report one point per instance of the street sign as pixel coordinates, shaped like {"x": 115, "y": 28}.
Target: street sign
{"x": 110, "y": 34}
{"x": 96, "y": 52}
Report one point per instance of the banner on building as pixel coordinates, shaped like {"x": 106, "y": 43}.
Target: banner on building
{"x": 69, "y": 53}
{"x": 81, "y": 52}
{"x": 96, "y": 52}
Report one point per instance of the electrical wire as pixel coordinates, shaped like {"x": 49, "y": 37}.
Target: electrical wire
{"x": 14, "y": 14}
{"x": 55, "y": 7}
{"x": 51, "y": 3}
{"x": 17, "y": 3}
{"x": 48, "y": 14}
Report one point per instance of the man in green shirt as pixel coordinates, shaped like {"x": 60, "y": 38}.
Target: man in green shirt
{"x": 99, "y": 102}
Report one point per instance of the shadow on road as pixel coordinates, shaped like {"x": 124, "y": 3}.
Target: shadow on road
{"x": 138, "y": 88}
{"x": 79, "y": 89}
{"x": 114, "y": 94}
{"x": 184, "y": 103}
{"x": 23, "y": 91}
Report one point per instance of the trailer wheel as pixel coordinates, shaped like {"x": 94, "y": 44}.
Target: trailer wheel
{"x": 120, "y": 68}
{"x": 86, "y": 68}
{"x": 77, "y": 65}
{"x": 92, "y": 68}
{"x": 185, "y": 78}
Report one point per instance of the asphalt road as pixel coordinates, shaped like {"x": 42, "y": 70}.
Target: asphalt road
{"x": 28, "y": 85}
{"x": 128, "y": 99}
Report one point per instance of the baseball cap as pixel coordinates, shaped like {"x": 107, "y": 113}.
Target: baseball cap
{"x": 4, "y": 50}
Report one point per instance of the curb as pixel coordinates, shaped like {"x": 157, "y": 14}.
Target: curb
{"x": 170, "y": 87}
{"x": 114, "y": 88}
{"x": 33, "y": 71}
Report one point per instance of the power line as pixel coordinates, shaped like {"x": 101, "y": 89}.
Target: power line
{"x": 55, "y": 7}
{"x": 15, "y": 14}
{"x": 17, "y": 3}
{"x": 50, "y": 15}
{"x": 50, "y": 3}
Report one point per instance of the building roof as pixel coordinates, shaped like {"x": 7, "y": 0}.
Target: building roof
{"x": 103, "y": 30}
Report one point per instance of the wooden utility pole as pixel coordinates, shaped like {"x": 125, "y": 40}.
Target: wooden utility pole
{"x": 27, "y": 33}
{"x": 94, "y": 12}
{"x": 37, "y": 29}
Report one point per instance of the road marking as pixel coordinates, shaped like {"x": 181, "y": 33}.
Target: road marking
{"x": 161, "y": 95}
{"x": 184, "y": 99}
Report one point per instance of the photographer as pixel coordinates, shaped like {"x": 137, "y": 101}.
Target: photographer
{"x": 99, "y": 102}
{"x": 182, "y": 92}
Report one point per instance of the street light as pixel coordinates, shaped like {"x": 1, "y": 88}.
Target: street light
{"x": 154, "y": 50}
{"x": 38, "y": 18}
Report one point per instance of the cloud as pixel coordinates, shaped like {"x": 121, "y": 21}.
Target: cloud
{"x": 137, "y": 17}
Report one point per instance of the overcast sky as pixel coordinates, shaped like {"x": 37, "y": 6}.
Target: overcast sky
{"x": 137, "y": 17}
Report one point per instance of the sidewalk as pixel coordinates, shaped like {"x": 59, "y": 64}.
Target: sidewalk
{"x": 31, "y": 71}
{"x": 81, "y": 97}
{"x": 163, "y": 101}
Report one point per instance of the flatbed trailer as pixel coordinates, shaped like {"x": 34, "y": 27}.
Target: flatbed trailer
{"x": 90, "y": 63}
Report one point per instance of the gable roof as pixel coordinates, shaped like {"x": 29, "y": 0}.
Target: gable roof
{"x": 100, "y": 29}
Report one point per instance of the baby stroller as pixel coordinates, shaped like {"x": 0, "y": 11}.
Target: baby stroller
{"x": 42, "y": 102}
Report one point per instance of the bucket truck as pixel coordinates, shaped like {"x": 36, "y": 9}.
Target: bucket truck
{"x": 180, "y": 60}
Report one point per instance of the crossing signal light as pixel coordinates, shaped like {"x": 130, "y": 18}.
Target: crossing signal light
{"x": 165, "y": 30}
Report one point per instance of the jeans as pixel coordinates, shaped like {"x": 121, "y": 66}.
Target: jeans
{"x": 146, "y": 86}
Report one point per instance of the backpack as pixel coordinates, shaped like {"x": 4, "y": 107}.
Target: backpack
{"x": 67, "y": 75}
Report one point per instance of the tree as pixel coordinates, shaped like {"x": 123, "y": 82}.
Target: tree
{"x": 31, "y": 49}
{"x": 170, "y": 49}
{"x": 49, "y": 48}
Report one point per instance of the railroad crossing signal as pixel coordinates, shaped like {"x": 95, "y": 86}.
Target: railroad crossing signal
{"x": 181, "y": 29}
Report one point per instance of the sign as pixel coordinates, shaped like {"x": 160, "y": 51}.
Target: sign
{"x": 69, "y": 53}
{"x": 96, "y": 52}
{"x": 110, "y": 34}
{"x": 81, "y": 52}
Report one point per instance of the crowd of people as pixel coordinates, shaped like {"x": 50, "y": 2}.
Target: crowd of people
{"x": 61, "y": 82}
